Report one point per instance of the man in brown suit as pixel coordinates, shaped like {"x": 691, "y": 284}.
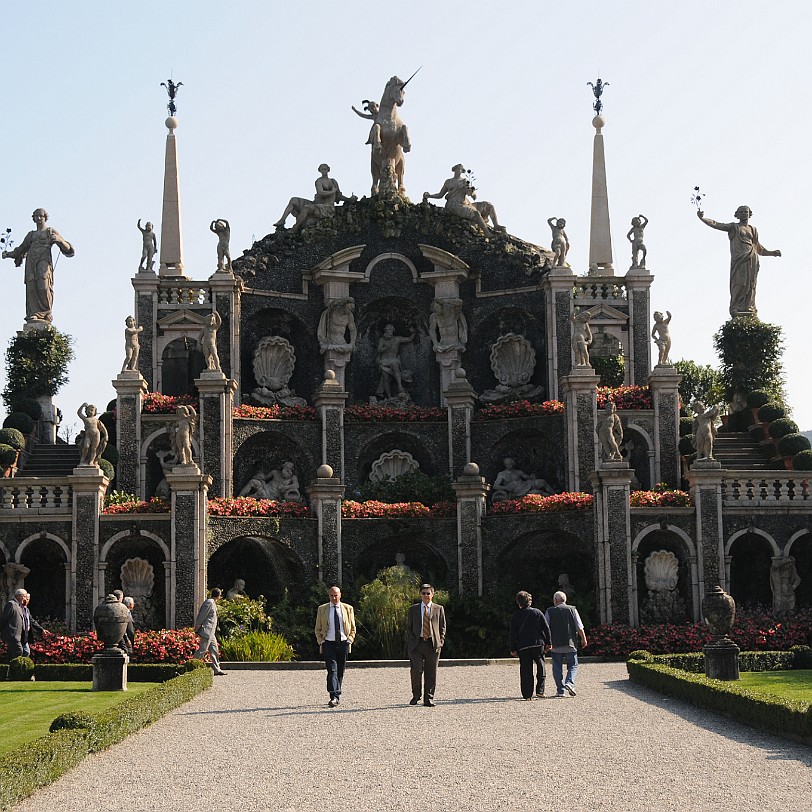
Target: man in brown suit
{"x": 425, "y": 638}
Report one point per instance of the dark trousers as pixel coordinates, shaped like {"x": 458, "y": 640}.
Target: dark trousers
{"x": 424, "y": 660}
{"x": 335, "y": 658}
{"x": 527, "y": 658}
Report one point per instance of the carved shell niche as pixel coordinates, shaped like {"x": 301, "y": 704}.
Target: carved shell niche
{"x": 274, "y": 361}
{"x": 393, "y": 464}
{"x": 662, "y": 571}
{"x": 137, "y": 577}
{"x": 513, "y": 360}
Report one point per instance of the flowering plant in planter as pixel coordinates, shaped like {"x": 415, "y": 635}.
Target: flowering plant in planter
{"x": 519, "y": 408}
{"x": 625, "y": 397}
{"x": 249, "y": 506}
{"x": 155, "y": 505}
{"x": 156, "y": 403}
{"x": 276, "y": 412}
{"x": 368, "y": 412}
{"x": 660, "y": 496}
{"x": 536, "y": 503}
{"x": 385, "y": 510}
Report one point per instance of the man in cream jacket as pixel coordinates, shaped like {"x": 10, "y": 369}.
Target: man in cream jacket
{"x": 335, "y": 631}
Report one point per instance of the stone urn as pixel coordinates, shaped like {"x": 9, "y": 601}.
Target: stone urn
{"x": 719, "y": 610}
{"x": 721, "y": 654}
{"x": 110, "y": 619}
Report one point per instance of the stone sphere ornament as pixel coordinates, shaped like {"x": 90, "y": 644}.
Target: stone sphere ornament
{"x": 324, "y": 472}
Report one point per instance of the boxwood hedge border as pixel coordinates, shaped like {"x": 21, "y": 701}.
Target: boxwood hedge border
{"x": 40, "y": 762}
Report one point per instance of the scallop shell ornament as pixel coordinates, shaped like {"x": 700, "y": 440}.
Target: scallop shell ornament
{"x": 137, "y": 577}
{"x": 274, "y": 361}
{"x": 393, "y": 464}
{"x": 513, "y": 360}
{"x": 662, "y": 571}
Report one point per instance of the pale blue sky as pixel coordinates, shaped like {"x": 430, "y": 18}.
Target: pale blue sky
{"x": 709, "y": 94}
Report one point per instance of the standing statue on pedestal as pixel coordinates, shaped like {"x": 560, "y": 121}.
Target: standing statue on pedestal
{"x": 94, "y": 439}
{"x": 337, "y": 330}
{"x": 456, "y": 191}
{"x": 581, "y": 337}
{"x": 132, "y": 345}
{"x": 704, "y": 429}
{"x": 322, "y": 206}
{"x": 635, "y": 237}
{"x": 447, "y": 325}
{"x": 784, "y": 580}
{"x": 182, "y": 433}
{"x": 662, "y": 337}
{"x": 610, "y": 433}
{"x": 149, "y": 246}
{"x": 208, "y": 341}
{"x": 393, "y": 376}
{"x": 745, "y": 249}
{"x": 39, "y": 267}
{"x": 222, "y": 229}
{"x": 560, "y": 244}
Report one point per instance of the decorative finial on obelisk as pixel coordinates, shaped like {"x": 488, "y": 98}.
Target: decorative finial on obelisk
{"x": 600, "y": 236}
{"x": 171, "y": 234}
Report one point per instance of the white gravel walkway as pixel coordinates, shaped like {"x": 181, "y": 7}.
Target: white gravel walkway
{"x": 265, "y": 740}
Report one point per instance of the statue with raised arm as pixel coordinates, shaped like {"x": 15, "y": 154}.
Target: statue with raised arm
{"x": 94, "y": 439}
{"x": 662, "y": 336}
{"x": 704, "y": 429}
{"x": 784, "y": 580}
{"x": 635, "y": 237}
{"x": 581, "y": 337}
{"x": 132, "y": 345}
{"x": 322, "y": 206}
{"x": 208, "y": 340}
{"x": 39, "y": 267}
{"x": 745, "y": 249}
{"x": 222, "y": 229}
{"x": 561, "y": 244}
{"x": 393, "y": 376}
{"x": 182, "y": 433}
{"x": 610, "y": 433}
{"x": 149, "y": 246}
{"x": 456, "y": 191}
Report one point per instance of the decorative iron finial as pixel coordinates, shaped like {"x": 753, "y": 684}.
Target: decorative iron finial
{"x": 172, "y": 90}
{"x": 597, "y": 90}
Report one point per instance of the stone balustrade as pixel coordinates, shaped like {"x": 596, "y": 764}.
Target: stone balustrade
{"x": 36, "y": 495}
{"x": 749, "y": 489}
{"x": 590, "y": 289}
{"x": 183, "y": 295}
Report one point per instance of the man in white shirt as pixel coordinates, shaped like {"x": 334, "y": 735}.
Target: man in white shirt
{"x": 335, "y": 631}
{"x": 424, "y": 641}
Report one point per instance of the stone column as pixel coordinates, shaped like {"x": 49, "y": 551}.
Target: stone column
{"x": 613, "y": 542}
{"x": 226, "y": 300}
{"x": 130, "y": 390}
{"x": 460, "y": 397}
{"x": 470, "y": 489}
{"x": 330, "y": 398}
{"x": 557, "y": 287}
{"x": 188, "y": 551}
{"x": 216, "y": 424}
{"x": 663, "y": 383}
{"x": 705, "y": 480}
{"x": 579, "y": 389}
{"x": 145, "y": 284}
{"x": 88, "y": 484}
{"x": 638, "y": 285}
{"x": 326, "y": 494}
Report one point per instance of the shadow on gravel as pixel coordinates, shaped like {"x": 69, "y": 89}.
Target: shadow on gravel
{"x": 778, "y": 749}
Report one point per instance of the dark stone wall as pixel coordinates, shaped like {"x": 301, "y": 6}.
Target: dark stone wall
{"x": 642, "y": 340}
{"x": 563, "y": 332}
{"x": 143, "y": 317}
{"x": 222, "y": 305}
{"x": 185, "y": 542}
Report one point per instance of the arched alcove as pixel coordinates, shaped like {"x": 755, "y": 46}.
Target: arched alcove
{"x": 46, "y": 582}
{"x": 182, "y": 362}
{"x": 267, "y": 451}
{"x": 655, "y": 608}
{"x": 750, "y": 562}
{"x": 531, "y": 452}
{"x": 417, "y": 555}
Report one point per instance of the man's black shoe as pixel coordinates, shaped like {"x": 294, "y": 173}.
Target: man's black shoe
{"x": 429, "y": 703}
{"x": 414, "y": 700}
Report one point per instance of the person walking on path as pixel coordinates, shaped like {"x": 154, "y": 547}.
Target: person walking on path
{"x": 12, "y": 625}
{"x": 205, "y": 627}
{"x": 335, "y": 631}
{"x": 30, "y": 625}
{"x": 529, "y": 639}
{"x": 424, "y": 641}
{"x": 566, "y": 628}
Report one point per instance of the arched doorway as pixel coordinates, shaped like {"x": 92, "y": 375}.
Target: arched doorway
{"x": 182, "y": 363}
{"x": 406, "y": 550}
{"x": 46, "y": 581}
{"x": 801, "y": 551}
{"x": 664, "y": 554}
{"x": 750, "y": 562}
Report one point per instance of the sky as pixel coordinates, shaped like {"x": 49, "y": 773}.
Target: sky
{"x": 713, "y": 95}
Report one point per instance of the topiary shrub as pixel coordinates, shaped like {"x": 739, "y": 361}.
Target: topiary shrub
{"x": 781, "y": 427}
{"x": 640, "y": 654}
{"x": 802, "y": 656}
{"x": 107, "y": 468}
{"x": 110, "y": 454}
{"x": 12, "y": 437}
{"x": 28, "y": 406}
{"x": 37, "y": 364}
{"x": 686, "y": 445}
{"x": 20, "y": 421}
{"x": 791, "y": 444}
{"x": 757, "y": 398}
{"x": 21, "y": 669}
{"x": 686, "y": 426}
{"x": 802, "y": 461}
{"x": 73, "y": 720}
{"x": 8, "y": 456}
{"x": 109, "y": 421}
{"x": 770, "y": 412}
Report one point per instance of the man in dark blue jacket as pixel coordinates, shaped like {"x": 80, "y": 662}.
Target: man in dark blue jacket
{"x": 529, "y": 637}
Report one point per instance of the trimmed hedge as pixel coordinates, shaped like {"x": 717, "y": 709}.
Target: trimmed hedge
{"x": 16, "y": 439}
{"x": 785, "y": 717}
{"x": 20, "y": 421}
{"x": 748, "y": 660}
{"x": 40, "y": 762}
{"x": 136, "y": 672}
{"x": 781, "y": 427}
{"x": 771, "y": 411}
{"x": 791, "y": 444}
{"x": 802, "y": 461}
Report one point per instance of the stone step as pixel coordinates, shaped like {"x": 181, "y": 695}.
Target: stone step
{"x": 51, "y": 461}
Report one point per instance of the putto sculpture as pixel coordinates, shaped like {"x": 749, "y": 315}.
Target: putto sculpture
{"x": 322, "y": 206}
{"x": 182, "y": 433}
{"x": 456, "y": 191}
{"x": 635, "y": 237}
{"x": 149, "y": 246}
{"x": 222, "y": 229}
{"x": 662, "y": 336}
{"x": 132, "y": 345}
{"x": 610, "y": 433}
{"x": 561, "y": 244}
{"x": 208, "y": 341}
{"x": 704, "y": 429}
{"x": 581, "y": 337}
{"x": 94, "y": 439}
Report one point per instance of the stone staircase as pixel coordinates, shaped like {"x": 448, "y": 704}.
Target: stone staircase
{"x": 50, "y": 461}
{"x": 737, "y": 451}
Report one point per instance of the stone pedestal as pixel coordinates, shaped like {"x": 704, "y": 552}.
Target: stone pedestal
{"x": 329, "y": 399}
{"x": 613, "y": 543}
{"x": 189, "y": 490}
{"x": 216, "y": 422}
{"x": 470, "y": 489}
{"x": 460, "y": 397}
{"x": 557, "y": 287}
{"x": 110, "y": 670}
{"x": 663, "y": 383}
{"x": 49, "y": 420}
{"x": 226, "y": 300}
{"x": 638, "y": 293}
{"x": 326, "y": 493}
{"x": 130, "y": 390}
{"x": 581, "y": 400}
{"x": 88, "y": 485}
{"x": 722, "y": 660}
{"x": 145, "y": 284}
{"x": 705, "y": 480}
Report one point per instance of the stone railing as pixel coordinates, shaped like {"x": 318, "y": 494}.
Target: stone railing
{"x": 588, "y": 289}
{"x": 35, "y": 495}
{"x": 746, "y": 489}
{"x": 189, "y": 294}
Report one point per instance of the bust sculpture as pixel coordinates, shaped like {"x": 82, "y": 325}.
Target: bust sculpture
{"x": 322, "y": 206}
{"x": 94, "y": 439}
{"x": 610, "y": 433}
{"x": 237, "y": 592}
{"x": 513, "y": 483}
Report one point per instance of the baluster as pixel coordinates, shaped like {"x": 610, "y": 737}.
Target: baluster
{"x": 786, "y": 492}
{"x": 6, "y": 498}
{"x": 769, "y": 488}
{"x": 48, "y": 497}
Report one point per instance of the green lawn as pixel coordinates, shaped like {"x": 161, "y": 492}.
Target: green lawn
{"x": 28, "y": 708}
{"x": 788, "y": 684}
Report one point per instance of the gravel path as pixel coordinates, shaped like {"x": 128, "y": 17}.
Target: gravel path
{"x": 266, "y": 741}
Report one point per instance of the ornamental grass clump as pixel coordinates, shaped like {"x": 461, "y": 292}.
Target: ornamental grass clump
{"x": 256, "y": 646}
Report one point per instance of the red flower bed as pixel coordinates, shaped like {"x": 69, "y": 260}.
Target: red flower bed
{"x": 519, "y": 408}
{"x": 365, "y": 412}
{"x": 248, "y": 506}
{"x": 625, "y": 397}
{"x": 155, "y": 505}
{"x": 536, "y": 503}
{"x": 156, "y": 403}
{"x": 663, "y": 498}
{"x": 441, "y": 510}
{"x": 275, "y": 412}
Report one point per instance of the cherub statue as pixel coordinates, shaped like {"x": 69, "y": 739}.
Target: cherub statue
{"x": 635, "y": 237}
{"x": 132, "y": 346}
{"x": 94, "y": 440}
{"x": 610, "y": 433}
{"x": 222, "y": 229}
{"x": 150, "y": 246}
{"x": 704, "y": 429}
{"x": 182, "y": 433}
{"x": 208, "y": 340}
{"x": 560, "y": 244}
{"x": 662, "y": 336}
{"x": 371, "y": 113}
{"x": 581, "y": 337}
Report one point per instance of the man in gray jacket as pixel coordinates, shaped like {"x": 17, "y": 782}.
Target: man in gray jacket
{"x": 12, "y": 625}
{"x": 566, "y": 628}
{"x": 205, "y": 627}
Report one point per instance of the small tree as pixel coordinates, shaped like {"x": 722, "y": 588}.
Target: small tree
{"x": 36, "y": 364}
{"x": 699, "y": 383}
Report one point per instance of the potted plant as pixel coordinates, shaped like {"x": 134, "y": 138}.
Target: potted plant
{"x": 8, "y": 459}
{"x": 790, "y": 445}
